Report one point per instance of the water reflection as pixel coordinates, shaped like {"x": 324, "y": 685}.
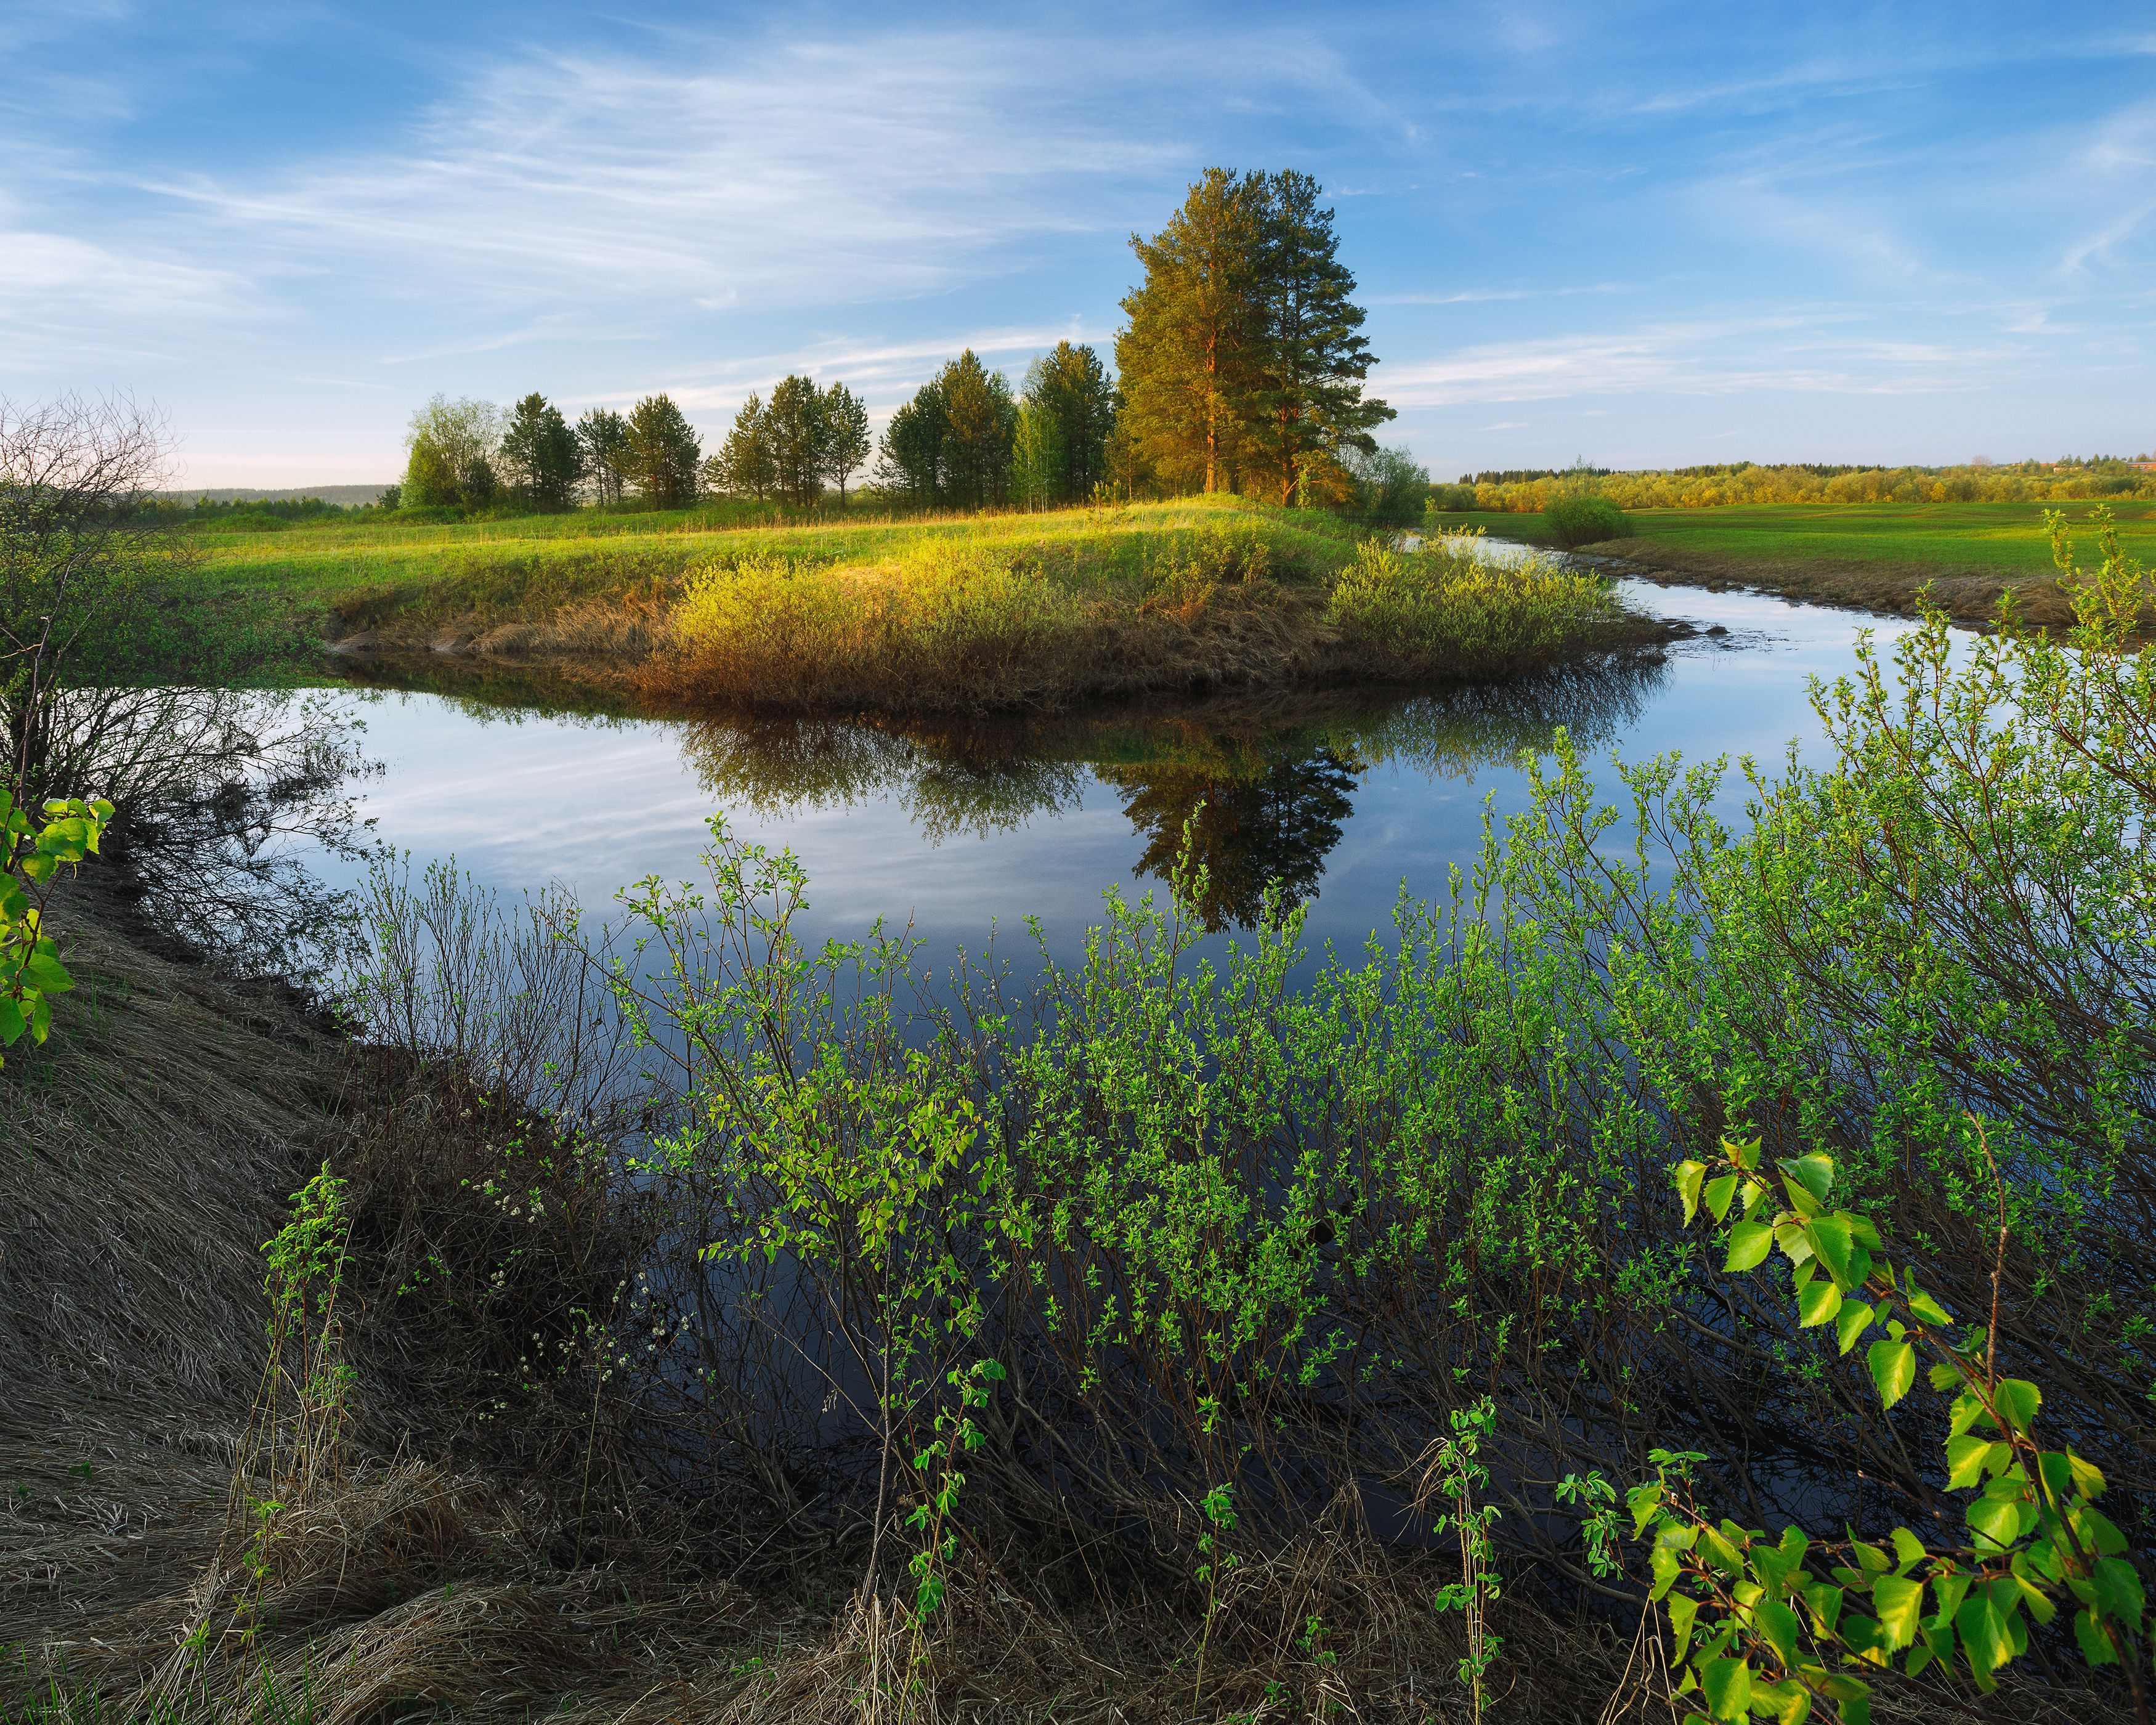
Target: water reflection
{"x": 1264, "y": 789}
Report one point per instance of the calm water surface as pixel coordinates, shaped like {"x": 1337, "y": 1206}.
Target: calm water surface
{"x": 966, "y": 831}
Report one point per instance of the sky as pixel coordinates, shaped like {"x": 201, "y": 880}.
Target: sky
{"x": 1644, "y": 234}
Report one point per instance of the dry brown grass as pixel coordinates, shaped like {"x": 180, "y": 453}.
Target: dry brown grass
{"x": 449, "y": 1566}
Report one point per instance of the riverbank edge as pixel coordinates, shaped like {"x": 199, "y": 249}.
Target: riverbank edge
{"x": 442, "y": 1557}
{"x": 1968, "y": 596}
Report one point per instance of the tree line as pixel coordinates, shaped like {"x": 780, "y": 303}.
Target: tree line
{"x": 1240, "y": 367}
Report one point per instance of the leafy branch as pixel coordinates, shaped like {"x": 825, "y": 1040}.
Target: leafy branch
{"x": 1757, "y": 1621}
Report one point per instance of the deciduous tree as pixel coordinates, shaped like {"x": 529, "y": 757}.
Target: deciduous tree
{"x": 453, "y": 446}
{"x": 798, "y": 438}
{"x": 603, "y": 436}
{"x": 846, "y": 422}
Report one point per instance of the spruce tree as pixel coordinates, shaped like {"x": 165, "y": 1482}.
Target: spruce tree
{"x": 1073, "y": 388}
{"x": 980, "y": 419}
{"x": 912, "y": 453}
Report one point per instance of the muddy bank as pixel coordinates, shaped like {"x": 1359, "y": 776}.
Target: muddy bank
{"x": 1969, "y": 596}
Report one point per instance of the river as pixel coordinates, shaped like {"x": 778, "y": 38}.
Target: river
{"x": 966, "y": 831}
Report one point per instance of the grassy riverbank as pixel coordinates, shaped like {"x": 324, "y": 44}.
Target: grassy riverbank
{"x": 1879, "y": 556}
{"x": 1021, "y": 1316}
{"x": 1031, "y": 1314}
{"x": 1027, "y": 612}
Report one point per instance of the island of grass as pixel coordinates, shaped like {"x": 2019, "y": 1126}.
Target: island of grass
{"x": 1033, "y": 612}
{"x": 1881, "y": 556}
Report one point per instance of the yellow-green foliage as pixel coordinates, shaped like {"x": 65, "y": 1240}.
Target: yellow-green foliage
{"x": 1035, "y": 610}
{"x": 1749, "y": 482}
{"x": 774, "y": 628}
{"x": 1012, "y": 611}
{"x": 1416, "y": 614}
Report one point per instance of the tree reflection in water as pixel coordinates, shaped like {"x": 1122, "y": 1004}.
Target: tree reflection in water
{"x": 1276, "y": 823}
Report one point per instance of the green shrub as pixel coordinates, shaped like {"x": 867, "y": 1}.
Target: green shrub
{"x": 1442, "y": 611}
{"x": 1239, "y": 1236}
{"x": 1449, "y": 499}
{"x": 1584, "y": 521}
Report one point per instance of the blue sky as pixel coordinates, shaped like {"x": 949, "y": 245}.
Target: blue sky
{"x": 1647, "y": 234}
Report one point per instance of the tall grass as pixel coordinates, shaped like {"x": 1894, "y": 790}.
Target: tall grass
{"x": 1035, "y": 618}
{"x": 1441, "y": 610}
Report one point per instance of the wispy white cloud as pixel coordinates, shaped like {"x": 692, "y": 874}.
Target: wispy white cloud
{"x": 797, "y": 172}
{"x": 1470, "y": 296}
{"x": 63, "y": 298}
{"x": 1721, "y": 357}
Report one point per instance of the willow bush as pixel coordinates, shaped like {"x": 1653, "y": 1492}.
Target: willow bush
{"x": 1237, "y": 1219}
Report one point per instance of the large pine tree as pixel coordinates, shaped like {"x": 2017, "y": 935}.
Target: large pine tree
{"x": 1307, "y": 407}
{"x": 1185, "y": 360}
{"x": 1242, "y": 365}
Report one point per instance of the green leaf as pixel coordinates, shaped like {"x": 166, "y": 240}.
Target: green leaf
{"x": 1824, "y": 1601}
{"x": 1830, "y": 1240}
{"x": 1893, "y": 1369}
{"x": 1943, "y": 1375}
{"x": 2118, "y": 1590}
{"x": 1718, "y": 1195}
{"x": 1923, "y": 1306}
{"x": 1998, "y": 1519}
{"x": 2017, "y": 1401}
{"x": 1818, "y": 1303}
{"x": 1779, "y": 1625}
{"x": 1814, "y": 1173}
{"x": 1966, "y": 1456}
{"x": 12, "y": 1021}
{"x": 47, "y": 975}
{"x": 2095, "y": 1645}
{"x": 1749, "y": 1243}
{"x": 1728, "y": 1685}
{"x": 1689, "y": 1175}
{"x": 1950, "y": 1590}
{"x": 1853, "y": 1320}
{"x": 1984, "y": 1636}
{"x": 1720, "y": 1553}
{"x": 1683, "y": 1608}
{"x": 1899, "y": 1600}
{"x": 1908, "y": 1549}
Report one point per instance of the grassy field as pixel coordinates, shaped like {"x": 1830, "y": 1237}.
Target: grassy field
{"x": 957, "y": 613}
{"x": 1878, "y": 555}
